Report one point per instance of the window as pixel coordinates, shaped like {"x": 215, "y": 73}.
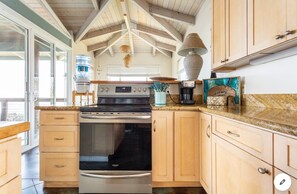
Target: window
{"x": 120, "y": 73}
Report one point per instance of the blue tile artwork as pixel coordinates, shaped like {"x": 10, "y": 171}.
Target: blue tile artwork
{"x": 228, "y": 86}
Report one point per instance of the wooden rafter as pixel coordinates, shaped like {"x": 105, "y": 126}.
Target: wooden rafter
{"x": 95, "y": 4}
{"x": 105, "y": 31}
{"x": 118, "y": 36}
{"x": 127, "y": 19}
{"x": 150, "y": 41}
{"x": 111, "y": 52}
{"x": 91, "y": 19}
{"x": 154, "y": 51}
{"x": 48, "y": 8}
{"x": 151, "y": 31}
{"x": 97, "y": 46}
{"x": 165, "y": 46}
{"x": 171, "y": 15}
{"x": 144, "y": 5}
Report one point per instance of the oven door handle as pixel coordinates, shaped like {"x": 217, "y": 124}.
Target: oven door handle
{"x": 115, "y": 176}
{"x": 115, "y": 117}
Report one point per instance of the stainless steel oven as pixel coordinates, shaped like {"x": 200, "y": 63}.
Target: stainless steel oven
{"x": 115, "y": 141}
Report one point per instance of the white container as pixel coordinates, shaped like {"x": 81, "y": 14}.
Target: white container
{"x": 83, "y": 87}
{"x": 160, "y": 98}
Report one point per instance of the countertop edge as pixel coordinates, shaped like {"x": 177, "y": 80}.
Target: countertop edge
{"x": 13, "y": 129}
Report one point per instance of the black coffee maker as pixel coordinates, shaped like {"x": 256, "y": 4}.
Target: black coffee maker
{"x": 186, "y": 90}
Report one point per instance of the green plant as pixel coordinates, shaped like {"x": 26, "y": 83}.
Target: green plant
{"x": 159, "y": 87}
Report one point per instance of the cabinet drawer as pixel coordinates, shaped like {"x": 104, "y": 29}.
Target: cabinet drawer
{"x": 251, "y": 139}
{"x": 14, "y": 186}
{"x": 59, "y": 138}
{"x": 59, "y": 118}
{"x": 59, "y": 166}
{"x": 285, "y": 154}
{"x": 10, "y": 159}
{"x": 292, "y": 189}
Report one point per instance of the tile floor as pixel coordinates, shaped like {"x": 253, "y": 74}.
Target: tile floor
{"x": 32, "y": 185}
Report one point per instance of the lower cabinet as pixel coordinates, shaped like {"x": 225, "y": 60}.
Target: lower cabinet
{"x": 175, "y": 148}
{"x": 293, "y": 187}
{"x": 236, "y": 171}
{"x": 205, "y": 151}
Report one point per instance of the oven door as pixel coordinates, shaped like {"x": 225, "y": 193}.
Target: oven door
{"x": 115, "y": 153}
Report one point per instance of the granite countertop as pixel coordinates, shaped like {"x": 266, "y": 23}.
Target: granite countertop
{"x": 9, "y": 128}
{"x": 61, "y": 108}
{"x": 278, "y": 120}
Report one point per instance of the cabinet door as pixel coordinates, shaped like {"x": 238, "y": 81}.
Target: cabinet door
{"x": 218, "y": 33}
{"x": 236, "y": 171}
{"x": 266, "y": 20}
{"x": 186, "y": 146}
{"x": 205, "y": 151}
{"x": 236, "y": 29}
{"x": 292, "y": 18}
{"x": 291, "y": 190}
{"x": 162, "y": 146}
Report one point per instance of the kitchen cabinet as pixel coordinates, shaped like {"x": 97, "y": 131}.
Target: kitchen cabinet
{"x": 293, "y": 187}
{"x": 10, "y": 165}
{"x": 236, "y": 171}
{"x": 205, "y": 151}
{"x": 229, "y": 31}
{"x": 59, "y": 148}
{"x": 175, "y": 148}
{"x": 270, "y": 23}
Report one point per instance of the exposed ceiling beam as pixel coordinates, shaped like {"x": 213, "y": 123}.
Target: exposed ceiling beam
{"x": 144, "y": 5}
{"x": 97, "y": 46}
{"x": 171, "y": 15}
{"x": 118, "y": 36}
{"x": 165, "y": 46}
{"x": 151, "y": 31}
{"x": 154, "y": 52}
{"x": 105, "y": 31}
{"x": 111, "y": 52}
{"x": 48, "y": 8}
{"x": 150, "y": 41}
{"x": 91, "y": 19}
{"x": 127, "y": 19}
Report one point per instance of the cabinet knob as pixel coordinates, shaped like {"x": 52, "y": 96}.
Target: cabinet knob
{"x": 234, "y": 134}
{"x": 289, "y": 32}
{"x": 223, "y": 61}
{"x": 277, "y": 37}
{"x": 263, "y": 170}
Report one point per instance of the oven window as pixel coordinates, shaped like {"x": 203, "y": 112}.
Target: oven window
{"x": 115, "y": 146}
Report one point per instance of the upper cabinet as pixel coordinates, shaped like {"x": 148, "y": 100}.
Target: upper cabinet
{"x": 243, "y": 30}
{"x": 229, "y": 28}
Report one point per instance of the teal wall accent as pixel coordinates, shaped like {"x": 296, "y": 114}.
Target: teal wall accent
{"x": 26, "y": 12}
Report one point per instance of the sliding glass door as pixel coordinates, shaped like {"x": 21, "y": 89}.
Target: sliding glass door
{"x": 13, "y": 74}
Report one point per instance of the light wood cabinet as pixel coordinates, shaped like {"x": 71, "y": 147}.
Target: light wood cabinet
{"x": 270, "y": 23}
{"x": 205, "y": 151}
{"x": 10, "y": 165}
{"x": 59, "y": 148}
{"x": 236, "y": 171}
{"x": 229, "y": 31}
{"x": 175, "y": 148}
{"x": 292, "y": 189}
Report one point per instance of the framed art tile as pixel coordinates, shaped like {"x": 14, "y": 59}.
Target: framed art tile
{"x": 228, "y": 86}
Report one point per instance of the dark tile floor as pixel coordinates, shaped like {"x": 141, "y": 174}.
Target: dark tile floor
{"x": 32, "y": 185}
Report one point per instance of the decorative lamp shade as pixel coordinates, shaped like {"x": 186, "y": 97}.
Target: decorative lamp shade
{"x": 192, "y": 43}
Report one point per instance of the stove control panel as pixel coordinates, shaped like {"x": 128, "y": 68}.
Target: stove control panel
{"x": 123, "y": 90}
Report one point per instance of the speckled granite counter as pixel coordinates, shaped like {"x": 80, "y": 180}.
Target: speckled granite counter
{"x": 8, "y": 128}
{"x": 61, "y": 108}
{"x": 278, "y": 120}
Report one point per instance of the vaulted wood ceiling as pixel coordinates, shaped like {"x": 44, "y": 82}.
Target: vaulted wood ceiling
{"x": 104, "y": 25}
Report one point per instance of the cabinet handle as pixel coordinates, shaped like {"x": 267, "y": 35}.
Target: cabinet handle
{"x": 59, "y": 139}
{"x": 207, "y": 131}
{"x": 59, "y": 166}
{"x": 226, "y": 60}
{"x": 59, "y": 118}
{"x": 234, "y": 134}
{"x": 154, "y": 125}
{"x": 279, "y": 36}
{"x": 223, "y": 61}
{"x": 263, "y": 171}
{"x": 289, "y": 32}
